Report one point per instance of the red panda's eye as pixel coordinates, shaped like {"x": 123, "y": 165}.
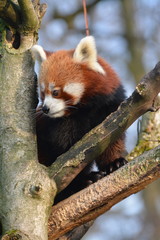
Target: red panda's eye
{"x": 56, "y": 92}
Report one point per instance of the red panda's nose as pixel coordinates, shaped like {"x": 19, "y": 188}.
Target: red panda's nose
{"x": 45, "y": 109}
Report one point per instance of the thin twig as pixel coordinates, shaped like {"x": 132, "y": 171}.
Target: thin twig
{"x": 85, "y": 17}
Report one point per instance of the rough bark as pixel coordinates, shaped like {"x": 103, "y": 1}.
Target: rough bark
{"x": 10, "y": 12}
{"x": 27, "y": 188}
{"x": 80, "y": 208}
{"x": 102, "y": 195}
{"x": 71, "y": 163}
{"x": 149, "y": 138}
{"x": 26, "y": 191}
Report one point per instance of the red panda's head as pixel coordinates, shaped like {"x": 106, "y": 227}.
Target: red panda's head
{"x": 67, "y": 78}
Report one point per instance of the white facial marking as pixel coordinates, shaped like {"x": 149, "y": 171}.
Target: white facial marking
{"x": 75, "y": 89}
{"x": 86, "y": 52}
{"x": 51, "y": 86}
{"x": 56, "y": 106}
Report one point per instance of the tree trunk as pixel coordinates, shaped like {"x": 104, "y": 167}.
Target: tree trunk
{"x": 27, "y": 189}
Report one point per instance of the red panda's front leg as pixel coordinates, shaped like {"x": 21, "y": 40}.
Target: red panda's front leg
{"x": 113, "y": 157}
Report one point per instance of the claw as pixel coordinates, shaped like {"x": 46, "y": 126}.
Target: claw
{"x": 125, "y": 161}
{"x": 117, "y": 164}
{"x": 102, "y": 173}
{"x": 89, "y": 182}
{"x": 111, "y": 169}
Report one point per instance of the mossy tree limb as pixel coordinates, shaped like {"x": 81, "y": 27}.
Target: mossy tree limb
{"x": 27, "y": 15}
{"x": 32, "y": 12}
{"x": 141, "y": 101}
{"x": 92, "y": 144}
{"x": 22, "y": 23}
{"x": 10, "y": 13}
{"x": 26, "y": 188}
{"x": 26, "y": 191}
{"x": 102, "y": 195}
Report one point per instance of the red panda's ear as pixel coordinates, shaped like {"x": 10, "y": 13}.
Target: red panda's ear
{"x": 38, "y": 53}
{"x": 86, "y": 52}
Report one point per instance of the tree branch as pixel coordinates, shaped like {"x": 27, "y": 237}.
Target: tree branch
{"x": 102, "y": 195}
{"x": 23, "y": 20}
{"x": 29, "y": 16}
{"x": 92, "y": 145}
{"x": 25, "y": 186}
{"x": 10, "y": 13}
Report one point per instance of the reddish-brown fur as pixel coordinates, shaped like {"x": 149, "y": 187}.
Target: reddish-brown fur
{"x": 60, "y": 68}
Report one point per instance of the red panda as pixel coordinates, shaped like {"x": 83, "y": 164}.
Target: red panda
{"x": 77, "y": 90}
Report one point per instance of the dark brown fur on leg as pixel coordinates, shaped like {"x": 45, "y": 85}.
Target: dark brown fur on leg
{"x": 113, "y": 157}
{"x": 110, "y": 160}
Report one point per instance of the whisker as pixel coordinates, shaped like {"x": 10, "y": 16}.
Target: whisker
{"x": 68, "y": 101}
{"x": 72, "y": 107}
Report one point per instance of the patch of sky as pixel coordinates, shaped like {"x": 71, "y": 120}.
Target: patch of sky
{"x": 56, "y": 29}
{"x": 107, "y": 13}
{"x": 115, "y": 227}
{"x": 133, "y": 205}
{"x": 67, "y": 7}
{"x": 150, "y": 55}
{"x": 148, "y": 3}
{"x": 79, "y": 22}
{"x": 145, "y": 26}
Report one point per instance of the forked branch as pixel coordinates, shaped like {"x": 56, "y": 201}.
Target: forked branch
{"x": 10, "y": 13}
{"x": 92, "y": 145}
{"x": 102, "y": 195}
{"x": 32, "y": 12}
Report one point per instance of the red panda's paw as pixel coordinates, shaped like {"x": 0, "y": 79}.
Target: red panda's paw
{"x": 113, "y": 166}
{"x": 93, "y": 177}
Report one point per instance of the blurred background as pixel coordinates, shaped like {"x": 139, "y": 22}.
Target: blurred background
{"x": 127, "y": 34}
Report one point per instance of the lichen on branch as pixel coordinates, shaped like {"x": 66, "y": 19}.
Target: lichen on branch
{"x": 22, "y": 20}
{"x": 92, "y": 144}
{"x": 32, "y": 12}
{"x": 102, "y": 195}
{"x": 10, "y": 13}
